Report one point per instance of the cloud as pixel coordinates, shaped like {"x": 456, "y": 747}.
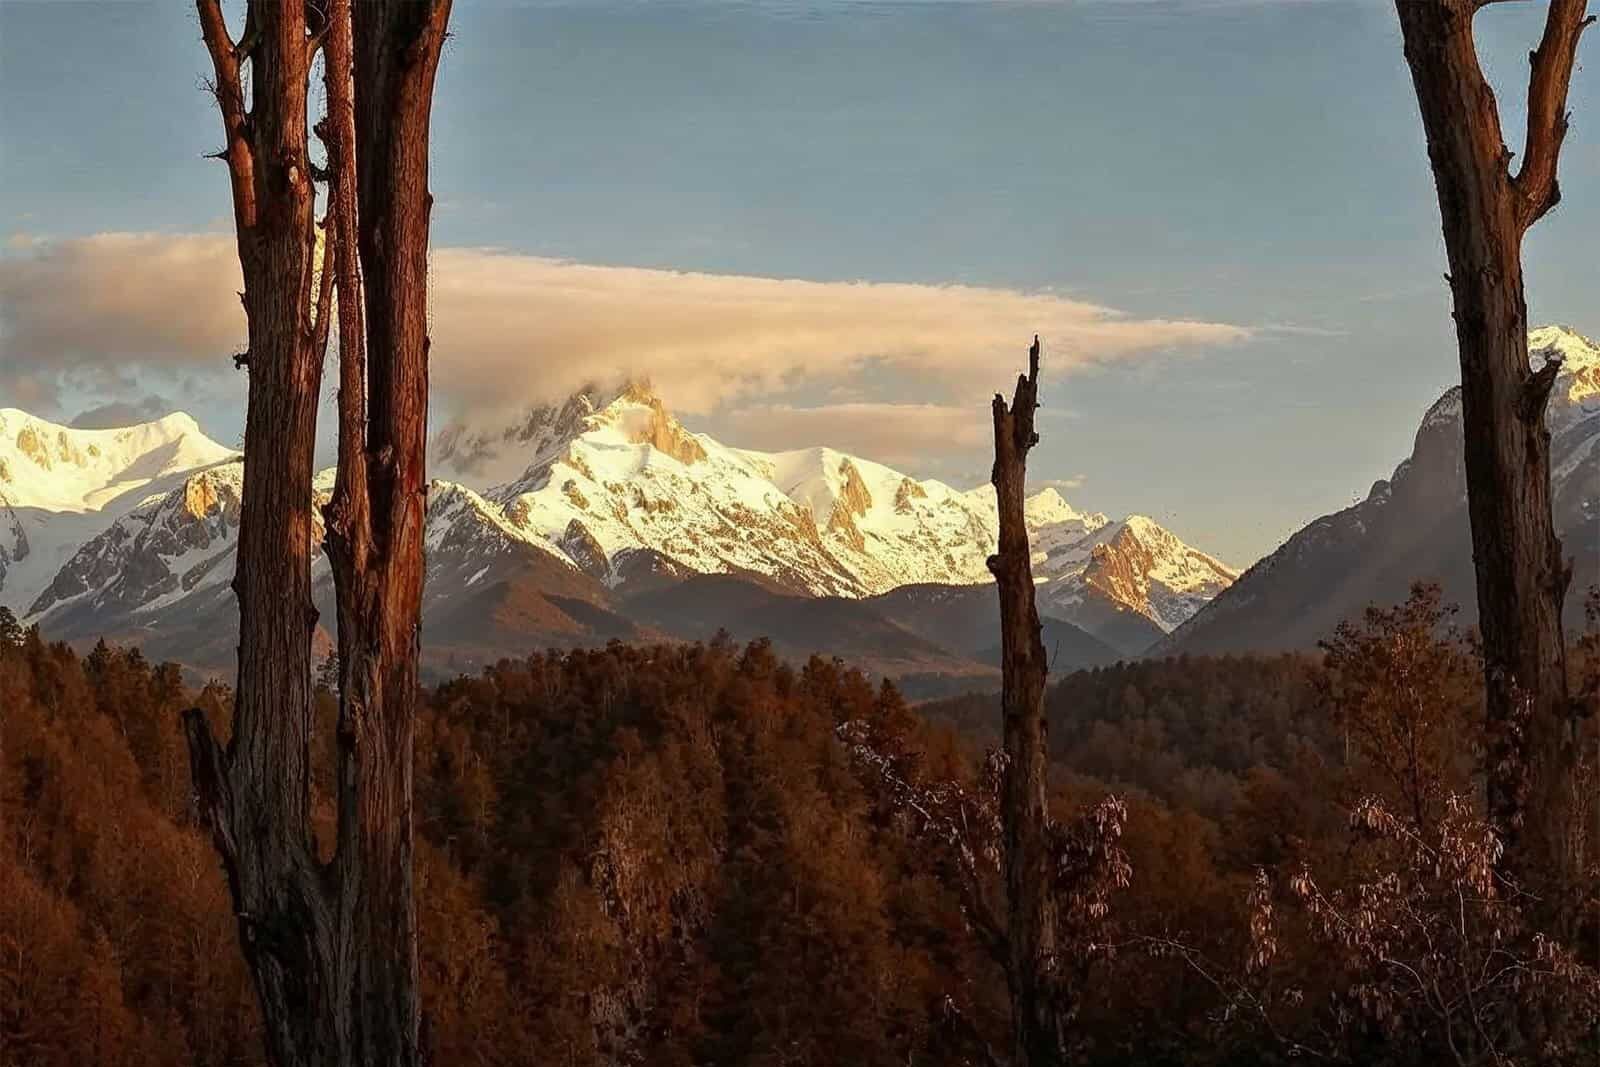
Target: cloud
{"x": 123, "y": 413}
{"x": 510, "y": 330}
{"x": 902, "y": 435}
{"x": 510, "y": 326}
{"x": 90, "y": 309}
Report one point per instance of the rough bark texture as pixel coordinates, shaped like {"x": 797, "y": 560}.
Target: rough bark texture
{"x": 1521, "y": 576}
{"x": 331, "y": 946}
{"x": 256, "y": 795}
{"x": 376, "y": 516}
{"x": 1038, "y": 1016}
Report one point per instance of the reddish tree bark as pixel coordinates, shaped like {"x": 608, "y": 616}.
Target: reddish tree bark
{"x": 1039, "y": 1015}
{"x": 375, "y": 518}
{"x": 1521, "y": 576}
{"x": 331, "y": 946}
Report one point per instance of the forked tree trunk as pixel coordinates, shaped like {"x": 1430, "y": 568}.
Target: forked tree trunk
{"x": 331, "y": 946}
{"x": 1521, "y": 575}
{"x": 1038, "y": 1015}
{"x": 375, "y": 518}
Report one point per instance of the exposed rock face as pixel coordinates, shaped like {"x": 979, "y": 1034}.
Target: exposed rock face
{"x": 853, "y": 496}
{"x": 659, "y": 430}
{"x": 1143, "y": 563}
{"x": 160, "y": 548}
{"x": 13, "y": 539}
{"x": 584, "y": 551}
{"x": 906, "y": 494}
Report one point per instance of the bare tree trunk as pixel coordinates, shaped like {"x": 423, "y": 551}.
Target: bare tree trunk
{"x": 256, "y": 795}
{"x": 332, "y": 947}
{"x": 1038, "y": 1016}
{"x": 1521, "y": 576}
{"x": 375, "y": 518}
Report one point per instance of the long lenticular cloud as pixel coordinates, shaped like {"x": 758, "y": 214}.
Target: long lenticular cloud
{"x": 510, "y": 330}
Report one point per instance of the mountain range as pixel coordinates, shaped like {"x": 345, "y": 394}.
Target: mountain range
{"x": 623, "y": 524}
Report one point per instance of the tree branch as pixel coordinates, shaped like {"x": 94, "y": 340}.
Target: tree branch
{"x": 314, "y": 44}
{"x": 208, "y": 765}
{"x": 349, "y": 511}
{"x": 230, "y": 101}
{"x": 1548, "y": 82}
{"x": 250, "y": 38}
{"x": 1014, "y": 435}
{"x": 1536, "y": 390}
{"x": 214, "y": 30}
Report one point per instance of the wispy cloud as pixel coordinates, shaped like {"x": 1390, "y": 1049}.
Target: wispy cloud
{"x": 1060, "y": 485}
{"x": 513, "y": 328}
{"x": 902, "y": 435}
{"x": 510, "y": 330}
{"x": 123, "y": 413}
{"x": 90, "y": 309}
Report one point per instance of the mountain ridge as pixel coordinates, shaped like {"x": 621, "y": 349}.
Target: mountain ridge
{"x": 618, "y": 473}
{"x": 616, "y": 516}
{"x": 1414, "y": 526}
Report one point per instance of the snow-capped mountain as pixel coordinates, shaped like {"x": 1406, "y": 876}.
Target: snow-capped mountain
{"x": 1414, "y": 526}
{"x": 1140, "y": 564}
{"x": 61, "y": 487}
{"x": 617, "y": 511}
{"x": 162, "y": 549}
{"x": 610, "y": 478}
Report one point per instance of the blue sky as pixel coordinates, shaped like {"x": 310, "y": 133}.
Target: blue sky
{"x": 1251, "y": 171}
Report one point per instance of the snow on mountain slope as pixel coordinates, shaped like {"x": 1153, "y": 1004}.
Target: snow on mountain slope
{"x": 1139, "y": 563}
{"x": 165, "y": 547}
{"x": 1414, "y": 526}
{"x": 616, "y": 495}
{"x": 58, "y": 468}
{"x": 620, "y": 474}
{"x": 60, "y": 487}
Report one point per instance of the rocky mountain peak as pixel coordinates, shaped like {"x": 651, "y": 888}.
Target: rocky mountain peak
{"x": 642, "y": 419}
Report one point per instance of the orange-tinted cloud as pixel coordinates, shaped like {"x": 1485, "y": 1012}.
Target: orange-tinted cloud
{"x": 510, "y": 330}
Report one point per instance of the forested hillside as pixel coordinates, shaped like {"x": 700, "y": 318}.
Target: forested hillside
{"x": 665, "y": 855}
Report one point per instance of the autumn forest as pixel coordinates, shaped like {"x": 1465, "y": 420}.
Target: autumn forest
{"x": 704, "y": 855}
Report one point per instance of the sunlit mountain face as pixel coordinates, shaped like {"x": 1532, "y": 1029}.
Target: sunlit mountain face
{"x": 620, "y": 518}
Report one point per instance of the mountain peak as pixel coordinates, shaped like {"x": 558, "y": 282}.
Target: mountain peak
{"x": 1575, "y": 350}
{"x": 56, "y": 468}
{"x": 11, "y": 419}
{"x": 1048, "y": 506}
{"x": 637, "y": 391}
{"x": 1573, "y": 398}
{"x": 177, "y": 422}
{"x": 637, "y": 415}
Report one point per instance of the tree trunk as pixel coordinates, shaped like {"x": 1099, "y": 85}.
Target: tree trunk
{"x": 331, "y": 947}
{"x": 1521, "y": 577}
{"x": 256, "y": 795}
{"x": 1038, "y": 1016}
{"x": 375, "y": 518}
